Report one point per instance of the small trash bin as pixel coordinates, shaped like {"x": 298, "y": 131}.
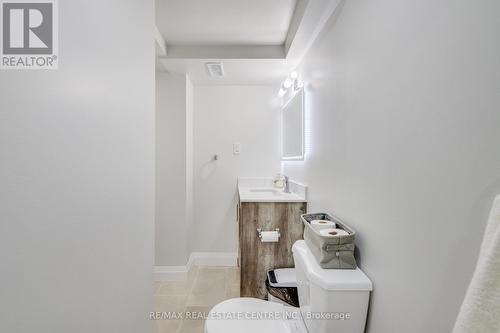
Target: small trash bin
{"x": 281, "y": 286}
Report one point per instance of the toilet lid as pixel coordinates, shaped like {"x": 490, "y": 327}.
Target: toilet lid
{"x": 247, "y": 315}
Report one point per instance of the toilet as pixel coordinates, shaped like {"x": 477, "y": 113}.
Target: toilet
{"x": 331, "y": 301}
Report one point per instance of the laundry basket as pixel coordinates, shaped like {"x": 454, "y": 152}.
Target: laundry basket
{"x": 330, "y": 252}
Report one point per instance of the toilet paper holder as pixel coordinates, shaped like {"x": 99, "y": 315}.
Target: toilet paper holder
{"x": 259, "y": 232}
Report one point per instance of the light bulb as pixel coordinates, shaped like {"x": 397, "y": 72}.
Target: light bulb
{"x": 288, "y": 83}
{"x": 294, "y": 75}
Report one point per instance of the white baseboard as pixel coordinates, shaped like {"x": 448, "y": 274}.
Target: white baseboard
{"x": 176, "y": 273}
{"x": 170, "y": 273}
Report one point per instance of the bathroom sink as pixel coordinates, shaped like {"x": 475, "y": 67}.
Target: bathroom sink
{"x": 266, "y": 190}
{"x": 263, "y": 190}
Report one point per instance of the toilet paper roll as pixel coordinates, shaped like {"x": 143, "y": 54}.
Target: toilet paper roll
{"x": 322, "y": 224}
{"x": 333, "y": 232}
{"x": 269, "y": 236}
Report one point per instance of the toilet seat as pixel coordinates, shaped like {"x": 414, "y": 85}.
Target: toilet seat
{"x": 253, "y": 315}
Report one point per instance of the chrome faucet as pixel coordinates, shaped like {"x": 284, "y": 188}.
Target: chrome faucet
{"x": 287, "y": 185}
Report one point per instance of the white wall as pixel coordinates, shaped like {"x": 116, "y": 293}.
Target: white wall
{"x": 171, "y": 170}
{"x": 77, "y": 177}
{"x": 224, "y": 115}
{"x": 402, "y": 143}
{"x": 189, "y": 159}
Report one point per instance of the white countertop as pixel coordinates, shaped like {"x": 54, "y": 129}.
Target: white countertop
{"x": 263, "y": 190}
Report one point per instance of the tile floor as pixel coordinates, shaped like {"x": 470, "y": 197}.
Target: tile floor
{"x": 204, "y": 287}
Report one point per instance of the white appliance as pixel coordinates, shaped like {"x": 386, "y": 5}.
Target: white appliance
{"x": 331, "y": 300}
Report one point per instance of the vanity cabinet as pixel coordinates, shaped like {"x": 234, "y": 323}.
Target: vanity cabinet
{"x": 256, "y": 258}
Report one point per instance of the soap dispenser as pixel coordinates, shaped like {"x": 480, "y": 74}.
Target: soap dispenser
{"x": 279, "y": 181}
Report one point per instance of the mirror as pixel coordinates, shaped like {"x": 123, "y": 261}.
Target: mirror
{"x": 292, "y": 128}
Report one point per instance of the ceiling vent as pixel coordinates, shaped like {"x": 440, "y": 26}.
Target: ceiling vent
{"x": 215, "y": 69}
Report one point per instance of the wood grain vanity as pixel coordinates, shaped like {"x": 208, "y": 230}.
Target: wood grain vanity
{"x": 256, "y": 257}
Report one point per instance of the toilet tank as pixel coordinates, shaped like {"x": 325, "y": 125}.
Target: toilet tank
{"x": 331, "y": 300}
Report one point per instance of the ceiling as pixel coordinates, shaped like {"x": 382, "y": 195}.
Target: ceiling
{"x": 224, "y": 22}
{"x": 237, "y": 71}
{"x": 257, "y": 41}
